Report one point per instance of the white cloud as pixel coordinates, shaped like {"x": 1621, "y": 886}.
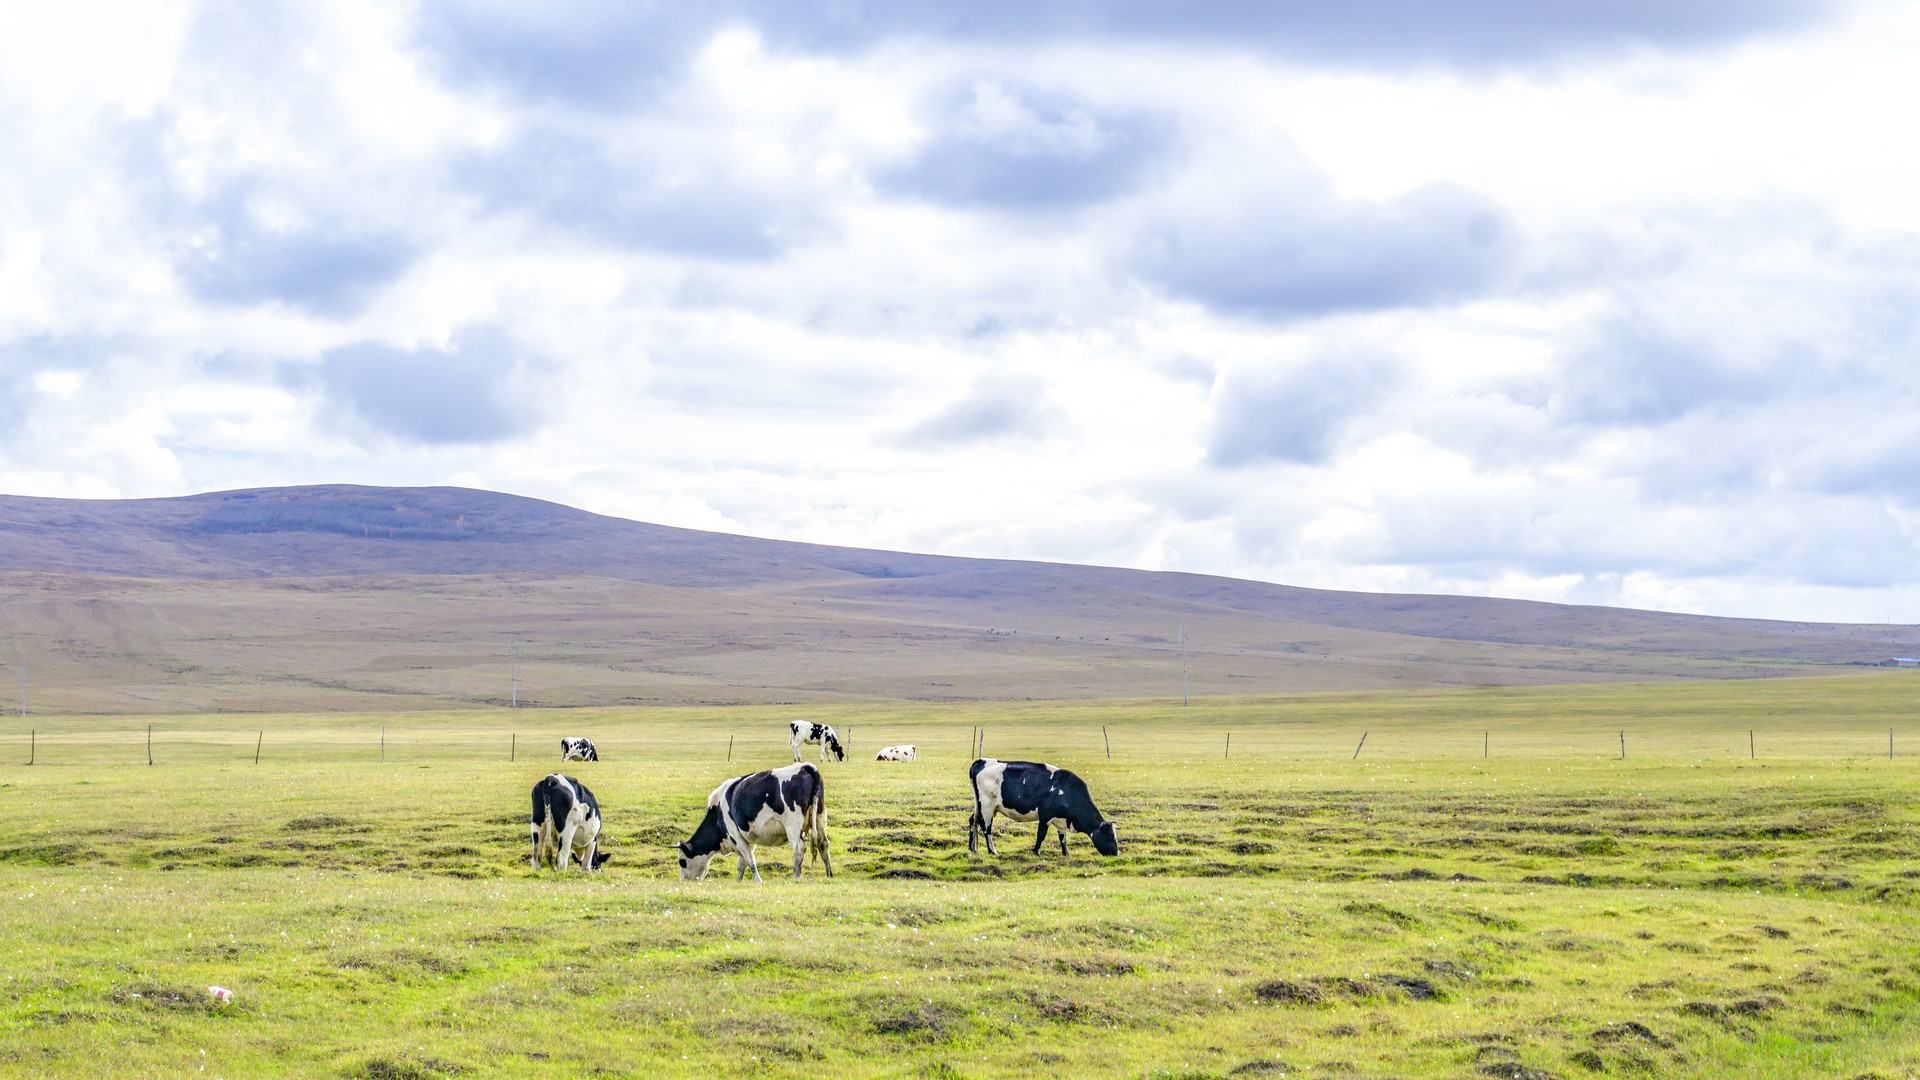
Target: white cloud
{"x": 1611, "y": 306}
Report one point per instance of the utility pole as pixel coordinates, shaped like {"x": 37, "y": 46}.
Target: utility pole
{"x": 1184, "y": 640}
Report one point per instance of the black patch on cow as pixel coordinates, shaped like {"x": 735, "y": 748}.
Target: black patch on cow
{"x": 1029, "y": 787}
{"x": 554, "y": 799}
{"x": 746, "y": 797}
{"x": 706, "y": 837}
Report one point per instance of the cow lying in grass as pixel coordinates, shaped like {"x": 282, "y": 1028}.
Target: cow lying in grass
{"x": 565, "y": 812}
{"x": 1030, "y": 791}
{"x": 895, "y": 753}
{"x": 788, "y": 803}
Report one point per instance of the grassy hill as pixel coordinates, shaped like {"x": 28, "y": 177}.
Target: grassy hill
{"x": 346, "y": 597}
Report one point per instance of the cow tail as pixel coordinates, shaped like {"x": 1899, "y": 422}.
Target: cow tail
{"x": 820, "y": 825}
{"x": 978, "y": 820}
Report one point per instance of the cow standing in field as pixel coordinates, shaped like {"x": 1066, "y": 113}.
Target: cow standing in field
{"x": 802, "y": 732}
{"x": 565, "y": 813}
{"x": 578, "y": 750}
{"x": 788, "y": 803}
{"x": 1029, "y": 791}
{"x": 895, "y": 753}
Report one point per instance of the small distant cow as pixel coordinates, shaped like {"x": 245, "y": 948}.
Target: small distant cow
{"x": 578, "y": 750}
{"x": 1031, "y": 790}
{"x": 802, "y": 732}
{"x": 895, "y": 753}
{"x": 565, "y": 813}
{"x": 788, "y": 803}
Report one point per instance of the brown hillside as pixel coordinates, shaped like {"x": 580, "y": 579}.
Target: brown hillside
{"x": 359, "y": 597}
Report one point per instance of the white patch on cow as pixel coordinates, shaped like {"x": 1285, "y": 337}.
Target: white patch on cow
{"x": 582, "y": 825}
{"x": 797, "y": 825}
{"x": 802, "y": 732}
{"x": 988, "y": 786}
{"x": 895, "y": 753}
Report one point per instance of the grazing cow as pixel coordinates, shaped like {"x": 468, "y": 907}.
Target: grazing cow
{"x": 802, "y": 732}
{"x": 578, "y": 750}
{"x": 1029, "y": 790}
{"x": 895, "y": 753}
{"x": 788, "y": 803}
{"x": 564, "y": 812}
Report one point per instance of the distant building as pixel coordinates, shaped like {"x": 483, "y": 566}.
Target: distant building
{"x": 1900, "y": 661}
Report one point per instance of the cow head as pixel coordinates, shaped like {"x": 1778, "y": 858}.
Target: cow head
{"x": 1106, "y": 839}
{"x": 600, "y": 859}
{"x": 692, "y": 867}
{"x": 833, "y": 746}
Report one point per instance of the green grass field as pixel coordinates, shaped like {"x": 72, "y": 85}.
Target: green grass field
{"x": 1487, "y": 890}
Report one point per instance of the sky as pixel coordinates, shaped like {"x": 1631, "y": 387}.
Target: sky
{"x": 1600, "y": 301}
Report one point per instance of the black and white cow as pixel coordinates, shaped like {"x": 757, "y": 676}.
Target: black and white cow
{"x": 1031, "y": 790}
{"x": 565, "y": 813}
{"x": 578, "y": 750}
{"x": 802, "y": 732}
{"x": 895, "y": 753}
{"x": 788, "y": 803}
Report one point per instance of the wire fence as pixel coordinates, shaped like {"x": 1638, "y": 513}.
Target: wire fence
{"x": 96, "y": 742}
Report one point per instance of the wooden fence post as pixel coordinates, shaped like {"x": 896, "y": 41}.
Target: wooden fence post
{"x": 1229, "y": 751}
{"x": 729, "y": 748}
{"x": 256, "y": 747}
{"x": 149, "y": 744}
{"x": 1107, "y": 741}
{"x": 1363, "y": 742}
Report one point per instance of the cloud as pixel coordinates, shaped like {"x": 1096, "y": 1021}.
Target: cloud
{"x": 644, "y": 199}
{"x": 1294, "y": 250}
{"x": 234, "y": 253}
{"x": 1025, "y": 150}
{"x": 474, "y": 391}
{"x": 1634, "y": 374}
{"x": 600, "y": 53}
{"x": 996, "y": 408}
{"x": 1392, "y": 32}
{"x": 1294, "y": 415}
{"x": 608, "y": 54}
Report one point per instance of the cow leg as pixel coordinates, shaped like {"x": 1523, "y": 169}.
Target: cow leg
{"x": 986, "y": 828}
{"x": 747, "y": 862}
{"x": 534, "y": 859}
{"x": 566, "y": 851}
{"x": 1042, "y": 838}
{"x": 799, "y": 842}
{"x": 973, "y": 827}
{"x": 1063, "y": 839}
{"x": 586, "y": 859}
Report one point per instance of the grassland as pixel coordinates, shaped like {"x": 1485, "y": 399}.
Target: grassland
{"x": 1488, "y": 889}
